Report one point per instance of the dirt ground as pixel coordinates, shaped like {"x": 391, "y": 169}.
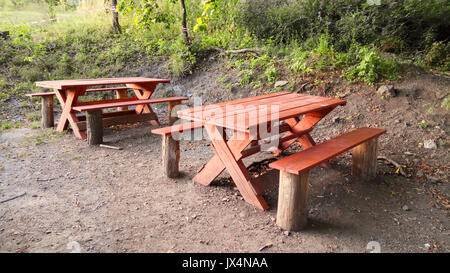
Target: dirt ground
{"x": 119, "y": 201}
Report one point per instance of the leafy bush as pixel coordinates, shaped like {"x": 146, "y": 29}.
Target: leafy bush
{"x": 370, "y": 66}
{"x": 438, "y": 55}
{"x": 413, "y": 24}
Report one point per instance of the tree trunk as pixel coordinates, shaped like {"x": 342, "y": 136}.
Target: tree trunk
{"x": 115, "y": 17}
{"x": 183, "y": 23}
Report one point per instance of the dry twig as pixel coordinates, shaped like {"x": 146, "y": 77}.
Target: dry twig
{"x": 396, "y": 165}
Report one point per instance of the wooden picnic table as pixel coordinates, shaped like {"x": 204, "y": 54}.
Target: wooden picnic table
{"x": 68, "y": 93}
{"x": 246, "y": 117}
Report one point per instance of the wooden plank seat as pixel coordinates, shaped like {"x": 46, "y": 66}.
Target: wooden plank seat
{"x": 292, "y": 211}
{"x": 47, "y": 112}
{"x": 98, "y": 105}
{"x": 95, "y": 120}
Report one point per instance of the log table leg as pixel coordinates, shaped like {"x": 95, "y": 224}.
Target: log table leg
{"x": 292, "y": 211}
{"x": 94, "y": 120}
{"x": 173, "y": 117}
{"x": 364, "y": 157}
{"x": 48, "y": 120}
{"x": 171, "y": 148}
{"x": 170, "y": 156}
{"x": 122, "y": 94}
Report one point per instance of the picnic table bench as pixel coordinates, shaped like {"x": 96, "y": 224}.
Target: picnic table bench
{"x": 48, "y": 120}
{"x": 253, "y": 121}
{"x": 292, "y": 211}
{"x": 90, "y": 126}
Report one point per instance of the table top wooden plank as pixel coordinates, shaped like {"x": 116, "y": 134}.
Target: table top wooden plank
{"x": 217, "y": 111}
{"x": 242, "y": 119}
{"x": 63, "y": 84}
{"x": 282, "y": 103}
{"x": 298, "y": 111}
{"x": 186, "y": 112}
{"x": 254, "y": 119}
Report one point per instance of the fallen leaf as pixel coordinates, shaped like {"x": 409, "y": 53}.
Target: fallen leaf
{"x": 269, "y": 244}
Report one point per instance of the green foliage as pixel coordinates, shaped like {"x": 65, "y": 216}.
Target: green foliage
{"x": 216, "y": 14}
{"x": 181, "y": 58}
{"x": 370, "y": 66}
{"x": 271, "y": 73}
{"x": 405, "y": 25}
{"x": 438, "y": 55}
{"x": 298, "y": 60}
{"x": 208, "y": 10}
{"x": 446, "y": 103}
{"x": 298, "y": 37}
{"x": 5, "y": 125}
{"x": 247, "y": 76}
{"x": 146, "y": 13}
{"x": 66, "y": 50}
{"x": 424, "y": 124}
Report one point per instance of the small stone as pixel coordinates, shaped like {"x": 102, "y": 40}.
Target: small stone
{"x": 225, "y": 199}
{"x": 386, "y": 91}
{"x": 281, "y": 83}
{"x": 419, "y": 173}
{"x": 432, "y": 179}
{"x": 242, "y": 214}
{"x": 429, "y": 144}
{"x": 273, "y": 219}
{"x": 344, "y": 94}
{"x": 409, "y": 153}
{"x": 405, "y": 208}
{"x": 336, "y": 119}
{"x": 287, "y": 233}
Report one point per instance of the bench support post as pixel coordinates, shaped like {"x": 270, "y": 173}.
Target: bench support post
{"x": 292, "y": 211}
{"x": 170, "y": 156}
{"x": 48, "y": 119}
{"x": 364, "y": 157}
{"x": 94, "y": 120}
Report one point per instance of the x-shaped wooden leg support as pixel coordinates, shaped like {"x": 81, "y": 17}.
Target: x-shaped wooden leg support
{"x": 229, "y": 155}
{"x": 143, "y": 92}
{"x": 215, "y": 167}
{"x": 306, "y": 123}
{"x": 67, "y": 99}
